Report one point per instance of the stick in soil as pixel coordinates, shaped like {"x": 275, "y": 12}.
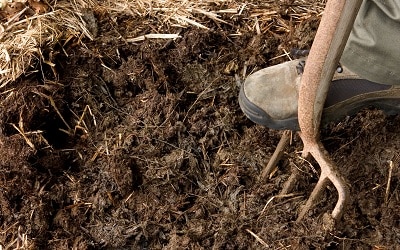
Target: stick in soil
{"x": 389, "y": 181}
{"x": 261, "y": 241}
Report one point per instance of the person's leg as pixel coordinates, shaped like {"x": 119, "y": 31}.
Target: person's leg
{"x": 370, "y": 75}
{"x": 373, "y": 50}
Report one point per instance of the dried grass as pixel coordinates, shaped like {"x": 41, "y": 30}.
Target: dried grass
{"x": 22, "y": 41}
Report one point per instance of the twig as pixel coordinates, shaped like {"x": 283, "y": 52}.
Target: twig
{"x": 53, "y": 104}
{"x": 258, "y": 238}
{"x": 389, "y": 181}
{"x": 152, "y": 36}
{"x": 20, "y": 129}
{"x": 276, "y": 197}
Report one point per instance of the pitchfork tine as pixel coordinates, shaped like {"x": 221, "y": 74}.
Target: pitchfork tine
{"x": 328, "y": 172}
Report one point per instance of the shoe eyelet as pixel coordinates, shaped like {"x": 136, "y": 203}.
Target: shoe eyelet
{"x": 300, "y": 67}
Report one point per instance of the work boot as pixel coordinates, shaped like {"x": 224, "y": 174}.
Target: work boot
{"x": 269, "y": 97}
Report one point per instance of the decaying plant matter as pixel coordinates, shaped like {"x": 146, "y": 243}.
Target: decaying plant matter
{"x": 120, "y": 128}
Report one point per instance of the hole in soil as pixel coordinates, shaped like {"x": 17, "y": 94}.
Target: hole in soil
{"x": 137, "y": 178}
{"x": 189, "y": 202}
{"x": 49, "y": 126}
{"x": 378, "y": 216}
{"x": 17, "y": 201}
{"x": 246, "y": 181}
{"x": 175, "y": 86}
{"x": 53, "y": 135}
{"x": 135, "y": 89}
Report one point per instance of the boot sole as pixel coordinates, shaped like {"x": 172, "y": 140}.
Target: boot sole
{"x": 259, "y": 116}
{"x": 386, "y": 100}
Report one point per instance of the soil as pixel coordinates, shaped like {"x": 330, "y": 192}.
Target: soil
{"x": 144, "y": 146}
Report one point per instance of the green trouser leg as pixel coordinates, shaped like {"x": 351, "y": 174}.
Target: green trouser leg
{"x": 373, "y": 48}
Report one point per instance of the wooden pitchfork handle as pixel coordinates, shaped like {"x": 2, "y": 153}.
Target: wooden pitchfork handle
{"x": 332, "y": 34}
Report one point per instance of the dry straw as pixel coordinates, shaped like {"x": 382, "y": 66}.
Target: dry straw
{"x": 24, "y": 36}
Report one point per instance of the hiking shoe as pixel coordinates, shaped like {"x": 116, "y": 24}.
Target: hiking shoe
{"x": 269, "y": 97}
